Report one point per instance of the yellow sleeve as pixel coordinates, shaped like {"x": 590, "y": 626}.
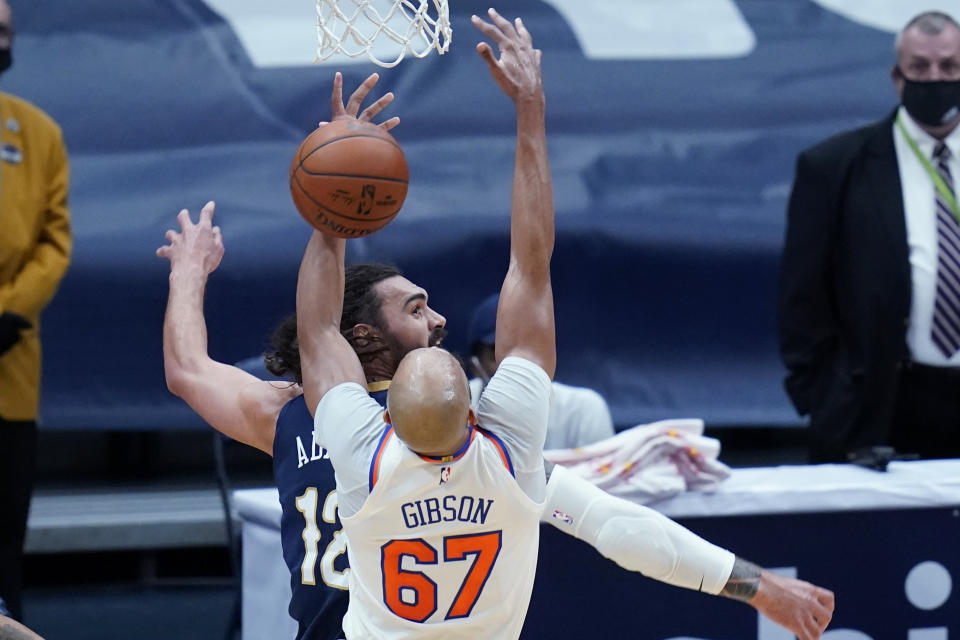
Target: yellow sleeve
{"x": 33, "y": 287}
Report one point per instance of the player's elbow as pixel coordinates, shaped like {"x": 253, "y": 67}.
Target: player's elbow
{"x": 176, "y": 382}
{"x": 638, "y": 544}
{"x": 177, "y": 377}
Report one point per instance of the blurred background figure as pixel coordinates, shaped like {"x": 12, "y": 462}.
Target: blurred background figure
{"x": 578, "y": 415}
{"x": 870, "y": 278}
{"x": 34, "y": 253}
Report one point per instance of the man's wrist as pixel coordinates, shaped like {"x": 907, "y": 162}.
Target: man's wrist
{"x": 744, "y": 581}
{"x": 531, "y": 105}
{"x": 186, "y": 272}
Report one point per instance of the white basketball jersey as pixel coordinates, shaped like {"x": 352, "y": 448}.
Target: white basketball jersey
{"x": 441, "y": 548}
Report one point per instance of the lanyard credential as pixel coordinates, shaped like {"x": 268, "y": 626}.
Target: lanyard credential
{"x": 945, "y": 192}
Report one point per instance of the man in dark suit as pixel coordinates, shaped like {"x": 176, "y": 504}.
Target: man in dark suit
{"x": 870, "y": 278}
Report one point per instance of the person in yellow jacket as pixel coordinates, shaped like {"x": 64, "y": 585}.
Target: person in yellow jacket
{"x": 34, "y": 253}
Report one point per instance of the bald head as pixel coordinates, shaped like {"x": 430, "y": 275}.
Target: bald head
{"x": 429, "y": 402}
{"x": 928, "y": 23}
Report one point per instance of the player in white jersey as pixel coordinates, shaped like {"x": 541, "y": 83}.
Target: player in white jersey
{"x": 444, "y": 544}
{"x": 441, "y": 538}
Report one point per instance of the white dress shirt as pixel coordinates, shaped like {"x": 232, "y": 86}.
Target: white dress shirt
{"x": 919, "y": 206}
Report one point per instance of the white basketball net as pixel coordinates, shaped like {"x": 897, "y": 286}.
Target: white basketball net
{"x": 383, "y": 30}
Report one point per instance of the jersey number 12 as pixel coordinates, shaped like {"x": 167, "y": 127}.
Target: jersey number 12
{"x": 307, "y": 505}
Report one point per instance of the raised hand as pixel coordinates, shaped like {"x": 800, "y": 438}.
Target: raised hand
{"x": 349, "y": 112}
{"x": 518, "y": 69}
{"x": 197, "y": 245}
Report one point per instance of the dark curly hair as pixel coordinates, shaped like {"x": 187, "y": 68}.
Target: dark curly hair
{"x": 361, "y": 305}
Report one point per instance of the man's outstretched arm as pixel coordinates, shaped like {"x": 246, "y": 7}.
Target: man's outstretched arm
{"x": 525, "y": 324}
{"x": 231, "y": 400}
{"x": 643, "y": 540}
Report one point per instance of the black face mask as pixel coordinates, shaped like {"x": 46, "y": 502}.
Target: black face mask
{"x": 6, "y": 59}
{"x": 931, "y": 103}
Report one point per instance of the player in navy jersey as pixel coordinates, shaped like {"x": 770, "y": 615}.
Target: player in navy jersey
{"x": 271, "y": 416}
{"x": 314, "y": 549}
{"x": 385, "y": 316}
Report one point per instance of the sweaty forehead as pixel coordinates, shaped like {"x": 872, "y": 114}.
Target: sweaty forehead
{"x": 397, "y": 290}
{"x": 917, "y": 44}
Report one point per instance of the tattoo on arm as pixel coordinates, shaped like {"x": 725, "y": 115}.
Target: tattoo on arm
{"x": 744, "y": 581}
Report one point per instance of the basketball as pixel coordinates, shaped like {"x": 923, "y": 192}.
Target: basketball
{"x": 349, "y": 178}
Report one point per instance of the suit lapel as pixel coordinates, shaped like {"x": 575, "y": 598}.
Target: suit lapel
{"x": 883, "y": 176}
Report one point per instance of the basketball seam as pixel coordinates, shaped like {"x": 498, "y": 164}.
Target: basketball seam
{"x": 338, "y": 214}
{"x": 353, "y": 175}
{"x": 355, "y": 135}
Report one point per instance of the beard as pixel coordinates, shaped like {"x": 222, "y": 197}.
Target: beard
{"x": 381, "y": 353}
{"x": 397, "y": 349}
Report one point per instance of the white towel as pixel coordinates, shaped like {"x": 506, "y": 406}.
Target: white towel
{"x": 648, "y": 462}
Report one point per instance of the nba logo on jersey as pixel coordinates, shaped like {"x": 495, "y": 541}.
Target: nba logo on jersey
{"x": 444, "y": 474}
{"x": 565, "y": 518}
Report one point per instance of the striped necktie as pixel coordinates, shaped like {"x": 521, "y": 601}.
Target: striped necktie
{"x": 945, "y": 330}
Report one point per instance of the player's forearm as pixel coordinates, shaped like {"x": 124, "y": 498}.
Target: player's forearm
{"x": 532, "y": 209}
{"x": 319, "y": 304}
{"x": 184, "y": 328}
{"x": 525, "y": 324}
{"x": 320, "y": 287}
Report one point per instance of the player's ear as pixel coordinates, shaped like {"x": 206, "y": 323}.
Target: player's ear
{"x": 386, "y": 416}
{"x": 471, "y": 417}
{"x": 366, "y": 332}
{"x": 361, "y": 330}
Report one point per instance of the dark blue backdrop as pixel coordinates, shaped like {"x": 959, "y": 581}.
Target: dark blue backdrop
{"x": 864, "y": 557}
{"x": 671, "y": 177}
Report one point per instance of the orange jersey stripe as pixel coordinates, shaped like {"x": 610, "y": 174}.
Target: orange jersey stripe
{"x": 501, "y": 449}
{"x": 375, "y": 464}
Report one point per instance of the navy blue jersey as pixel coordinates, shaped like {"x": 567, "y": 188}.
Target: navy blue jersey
{"x": 314, "y": 548}
{"x": 313, "y": 545}
{"x": 378, "y": 391}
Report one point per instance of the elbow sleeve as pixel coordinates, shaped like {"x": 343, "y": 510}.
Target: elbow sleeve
{"x": 635, "y": 537}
